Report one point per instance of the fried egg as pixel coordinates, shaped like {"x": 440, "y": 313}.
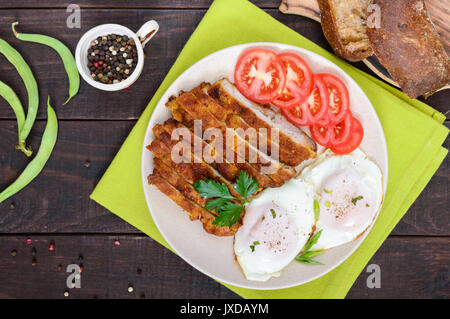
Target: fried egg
{"x": 276, "y": 226}
{"x": 350, "y": 193}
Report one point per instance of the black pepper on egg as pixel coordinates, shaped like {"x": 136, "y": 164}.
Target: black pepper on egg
{"x": 112, "y": 58}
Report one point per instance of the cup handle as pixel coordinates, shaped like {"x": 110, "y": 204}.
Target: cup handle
{"x": 147, "y": 31}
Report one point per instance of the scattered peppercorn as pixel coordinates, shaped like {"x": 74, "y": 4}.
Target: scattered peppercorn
{"x": 14, "y": 253}
{"x": 130, "y": 289}
{"x": 51, "y": 247}
{"x": 66, "y": 293}
{"x": 112, "y": 58}
{"x": 33, "y": 251}
{"x": 116, "y": 243}
{"x": 33, "y": 262}
{"x": 12, "y": 206}
{"x": 28, "y": 241}
{"x": 87, "y": 164}
{"x": 59, "y": 267}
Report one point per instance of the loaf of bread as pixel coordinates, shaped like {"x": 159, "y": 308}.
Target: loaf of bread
{"x": 343, "y": 23}
{"x": 409, "y": 47}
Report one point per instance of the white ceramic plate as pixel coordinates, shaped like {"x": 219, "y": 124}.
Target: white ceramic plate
{"x": 214, "y": 255}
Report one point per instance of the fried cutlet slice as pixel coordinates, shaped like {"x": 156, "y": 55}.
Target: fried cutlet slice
{"x": 182, "y": 116}
{"x": 178, "y": 182}
{"x": 291, "y": 137}
{"x": 159, "y": 149}
{"x": 260, "y": 161}
{"x": 195, "y": 211}
{"x": 232, "y": 119}
{"x": 200, "y": 169}
{"x": 229, "y": 171}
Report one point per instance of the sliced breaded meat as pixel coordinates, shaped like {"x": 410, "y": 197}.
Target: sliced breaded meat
{"x": 200, "y": 169}
{"x": 290, "y": 136}
{"x": 264, "y": 142}
{"x": 179, "y": 114}
{"x": 178, "y": 182}
{"x": 195, "y": 211}
{"x": 260, "y": 161}
{"x": 218, "y": 162}
{"x": 160, "y": 150}
{"x": 156, "y": 179}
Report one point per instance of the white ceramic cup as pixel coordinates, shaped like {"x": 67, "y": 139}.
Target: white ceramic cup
{"x": 141, "y": 38}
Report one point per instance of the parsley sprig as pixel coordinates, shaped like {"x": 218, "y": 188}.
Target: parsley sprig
{"x": 222, "y": 201}
{"x": 307, "y": 255}
{"x": 356, "y": 199}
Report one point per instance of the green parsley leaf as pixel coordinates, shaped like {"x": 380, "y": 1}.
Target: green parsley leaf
{"x": 228, "y": 215}
{"x": 354, "y": 200}
{"x": 308, "y": 261}
{"x": 245, "y": 185}
{"x": 327, "y": 191}
{"x": 316, "y": 209}
{"x": 328, "y": 204}
{"x": 228, "y": 212}
{"x": 312, "y": 254}
{"x": 306, "y": 255}
{"x": 312, "y": 241}
{"x": 252, "y": 247}
{"x": 210, "y": 188}
{"x": 216, "y": 204}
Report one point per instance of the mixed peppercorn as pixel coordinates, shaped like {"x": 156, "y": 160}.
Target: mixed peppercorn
{"x": 112, "y": 58}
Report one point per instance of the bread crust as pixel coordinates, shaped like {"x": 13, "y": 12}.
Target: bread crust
{"x": 409, "y": 47}
{"x": 353, "y": 50}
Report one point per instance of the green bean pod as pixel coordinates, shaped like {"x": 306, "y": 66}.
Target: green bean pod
{"x": 63, "y": 51}
{"x": 37, "y": 164}
{"x": 14, "y": 57}
{"x": 8, "y": 94}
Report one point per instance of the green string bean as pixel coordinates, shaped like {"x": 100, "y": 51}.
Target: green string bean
{"x": 8, "y": 94}
{"x": 37, "y": 164}
{"x": 64, "y": 53}
{"x": 14, "y": 57}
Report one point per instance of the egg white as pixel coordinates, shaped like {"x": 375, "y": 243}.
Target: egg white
{"x": 276, "y": 226}
{"x": 350, "y": 192}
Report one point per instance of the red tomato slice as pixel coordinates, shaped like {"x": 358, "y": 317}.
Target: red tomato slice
{"x": 313, "y": 109}
{"x": 338, "y": 98}
{"x": 299, "y": 81}
{"x": 332, "y": 135}
{"x": 260, "y": 75}
{"x": 355, "y": 139}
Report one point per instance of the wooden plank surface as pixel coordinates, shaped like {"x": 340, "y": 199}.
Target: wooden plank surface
{"x": 167, "y": 4}
{"x": 56, "y": 207}
{"x": 90, "y": 103}
{"x": 58, "y": 200}
{"x": 409, "y": 267}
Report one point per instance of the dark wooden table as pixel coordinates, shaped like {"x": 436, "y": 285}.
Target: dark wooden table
{"x": 56, "y": 207}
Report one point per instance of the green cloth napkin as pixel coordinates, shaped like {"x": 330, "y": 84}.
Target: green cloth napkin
{"x": 413, "y": 131}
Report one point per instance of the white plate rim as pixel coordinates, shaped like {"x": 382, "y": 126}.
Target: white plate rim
{"x": 149, "y": 132}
